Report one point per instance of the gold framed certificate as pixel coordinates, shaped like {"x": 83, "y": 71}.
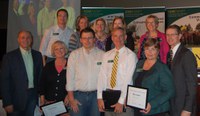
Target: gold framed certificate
{"x": 54, "y": 109}
{"x": 136, "y": 97}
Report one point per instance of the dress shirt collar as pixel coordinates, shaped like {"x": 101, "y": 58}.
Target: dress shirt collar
{"x": 175, "y": 48}
{"x": 88, "y": 51}
{"x": 121, "y": 50}
{"x": 59, "y": 29}
{"x": 23, "y": 51}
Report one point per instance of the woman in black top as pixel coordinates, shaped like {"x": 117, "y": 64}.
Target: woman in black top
{"x": 53, "y": 79}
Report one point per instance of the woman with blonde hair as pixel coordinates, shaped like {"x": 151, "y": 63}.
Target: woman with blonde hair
{"x": 53, "y": 78}
{"x": 100, "y": 33}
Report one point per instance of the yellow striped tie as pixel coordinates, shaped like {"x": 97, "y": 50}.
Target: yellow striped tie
{"x": 114, "y": 71}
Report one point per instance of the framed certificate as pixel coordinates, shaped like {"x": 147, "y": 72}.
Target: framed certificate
{"x": 136, "y": 97}
{"x": 54, "y": 109}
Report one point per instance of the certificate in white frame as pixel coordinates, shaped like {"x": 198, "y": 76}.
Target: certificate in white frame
{"x": 54, "y": 109}
{"x": 136, "y": 97}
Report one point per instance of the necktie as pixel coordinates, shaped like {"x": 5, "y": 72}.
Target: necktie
{"x": 171, "y": 56}
{"x": 114, "y": 71}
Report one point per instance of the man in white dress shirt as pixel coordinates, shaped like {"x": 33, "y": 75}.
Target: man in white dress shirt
{"x": 58, "y": 32}
{"x": 126, "y": 65}
{"x": 82, "y": 75}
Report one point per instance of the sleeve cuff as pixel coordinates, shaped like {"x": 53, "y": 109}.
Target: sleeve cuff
{"x": 121, "y": 100}
{"x": 99, "y": 95}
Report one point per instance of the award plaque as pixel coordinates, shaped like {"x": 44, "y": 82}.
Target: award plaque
{"x": 136, "y": 97}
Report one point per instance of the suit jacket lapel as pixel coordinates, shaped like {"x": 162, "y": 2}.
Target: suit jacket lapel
{"x": 34, "y": 64}
{"x": 151, "y": 70}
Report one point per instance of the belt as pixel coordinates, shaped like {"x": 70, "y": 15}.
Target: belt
{"x": 112, "y": 90}
{"x": 86, "y": 92}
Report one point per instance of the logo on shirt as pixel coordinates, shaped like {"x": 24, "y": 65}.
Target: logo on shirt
{"x": 55, "y": 33}
{"x": 99, "y": 63}
{"x": 139, "y": 69}
{"x": 110, "y": 61}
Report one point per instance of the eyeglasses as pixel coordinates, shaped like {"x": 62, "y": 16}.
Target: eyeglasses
{"x": 171, "y": 35}
{"x": 89, "y": 38}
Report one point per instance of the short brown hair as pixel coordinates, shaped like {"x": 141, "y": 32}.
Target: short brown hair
{"x": 87, "y": 30}
{"x": 175, "y": 27}
{"x": 152, "y": 42}
{"x": 119, "y": 28}
{"x": 154, "y": 17}
{"x": 63, "y": 11}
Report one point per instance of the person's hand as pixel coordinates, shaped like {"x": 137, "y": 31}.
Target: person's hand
{"x": 66, "y": 101}
{"x": 42, "y": 101}
{"x": 185, "y": 113}
{"x": 118, "y": 107}
{"x": 101, "y": 105}
{"x": 9, "y": 109}
{"x": 147, "y": 110}
{"x": 74, "y": 105}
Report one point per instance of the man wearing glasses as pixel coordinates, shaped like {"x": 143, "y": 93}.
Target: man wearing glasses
{"x": 184, "y": 69}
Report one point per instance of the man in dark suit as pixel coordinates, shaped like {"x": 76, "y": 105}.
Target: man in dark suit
{"x": 184, "y": 69}
{"x": 21, "y": 69}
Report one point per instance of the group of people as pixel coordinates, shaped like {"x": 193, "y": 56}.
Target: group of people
{"x": 77, "y": 68}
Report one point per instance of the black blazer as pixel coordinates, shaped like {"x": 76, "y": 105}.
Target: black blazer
{"x": 14, "y": 81}
{"x": 184, "y": 71}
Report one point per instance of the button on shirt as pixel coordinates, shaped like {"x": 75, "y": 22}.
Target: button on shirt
{"x": 126, "y": 66}
{"x": 52, "y": 35}
{"x": 83, "y": 68}
{"x": 52, "y": 83}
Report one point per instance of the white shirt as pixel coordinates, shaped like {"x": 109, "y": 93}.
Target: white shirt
{"x": 83, "y": 69}
{"x": 126, "y": 66}
{"x": 51, "y": 35}
{"x": 175, "y": 49}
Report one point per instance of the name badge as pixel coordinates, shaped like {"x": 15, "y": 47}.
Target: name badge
{"x": 139, "y": 70}
{"x": 99, "y": 63}
{"x": 55, "y": 33}
{"x": 110, "y": 61}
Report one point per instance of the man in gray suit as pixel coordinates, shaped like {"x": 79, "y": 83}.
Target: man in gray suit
{"x": 21, "y": 69}
{"x": 184, "y": 69}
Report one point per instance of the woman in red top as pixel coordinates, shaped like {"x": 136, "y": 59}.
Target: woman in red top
{"x": 152, "y": 25}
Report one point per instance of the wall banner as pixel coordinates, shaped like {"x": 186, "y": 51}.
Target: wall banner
{"x": 188, "y": 18}
{"x": 107, "y": 13}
